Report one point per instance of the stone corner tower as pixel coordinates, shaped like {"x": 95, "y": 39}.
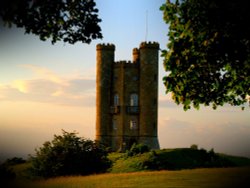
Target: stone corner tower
{"x": 127, "y": 97}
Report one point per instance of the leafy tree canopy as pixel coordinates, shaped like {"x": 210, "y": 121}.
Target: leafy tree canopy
{"x": 67, "y": 20}
{"x": 68, "y": 154}
{"x": 208, "y": 55}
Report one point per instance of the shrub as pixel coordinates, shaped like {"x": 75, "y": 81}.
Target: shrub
{"x": 14, "y": 161}
{"x": 140, "y": 162}
{"x": 138, "y": 149}
{"x": 194, "y": 146}
{"x": 69, "y": 155}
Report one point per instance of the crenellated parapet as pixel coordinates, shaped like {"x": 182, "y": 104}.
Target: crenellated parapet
{"x": 103, "y": 46}
{"x": 154, "y": 45}
{"x": 125, "y": 64}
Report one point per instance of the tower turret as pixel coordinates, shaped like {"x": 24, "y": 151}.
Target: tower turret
{"x": 136, "y": 55}
{"x": 105, "y": 58}
{"x": 149, "y": 94}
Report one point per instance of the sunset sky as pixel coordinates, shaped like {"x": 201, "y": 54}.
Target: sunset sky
{"x": 45, "y": 88}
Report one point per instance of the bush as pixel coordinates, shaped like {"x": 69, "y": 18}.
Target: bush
{"x": 140, "y": 162}
{"x": 174, "y": 159}
{"x": 69, "y": 155}
{"x": 137, "y": 149}
{"x": 194, "y": 146}
{"x": 14, "y": 161}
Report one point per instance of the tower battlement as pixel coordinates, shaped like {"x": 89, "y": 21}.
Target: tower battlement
{"x": 149, "y": 45}
{"x": 103, "y": 46}
{"x": 126, "y": 97}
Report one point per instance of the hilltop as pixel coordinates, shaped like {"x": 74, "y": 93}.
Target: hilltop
{"x": 160, "y": 164}
{"x": 173, "y": 159}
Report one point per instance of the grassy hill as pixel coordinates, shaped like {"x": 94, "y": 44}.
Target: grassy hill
{"x": 182, "y": 167}
{"x": 173, "y": 159}
{"x": 195, "y": 178}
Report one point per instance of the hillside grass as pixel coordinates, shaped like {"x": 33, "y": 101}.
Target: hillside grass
{"x": 182, "y": 167}
{"x": 173, "y": 159}
{"x": 195, "y": 178}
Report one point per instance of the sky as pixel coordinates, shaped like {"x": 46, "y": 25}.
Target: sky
{"x": 45, "y": 88}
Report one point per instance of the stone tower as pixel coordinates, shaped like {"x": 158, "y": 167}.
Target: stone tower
{"x": 126, "y": 97}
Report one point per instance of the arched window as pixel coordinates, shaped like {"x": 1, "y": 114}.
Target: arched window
{"x": 134, "y": 99}
{"x": 116, "y": 100}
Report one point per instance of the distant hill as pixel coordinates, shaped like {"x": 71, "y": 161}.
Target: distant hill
{"x": 237, "y": 160}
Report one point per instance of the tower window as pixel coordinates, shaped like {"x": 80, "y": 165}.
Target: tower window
{"x": 134, "y": 99}
{"x": 133, "y": 125}
{"x": 116, "y": 100}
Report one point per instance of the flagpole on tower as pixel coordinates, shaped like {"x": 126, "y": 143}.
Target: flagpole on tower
{"x": 146, "y": 34}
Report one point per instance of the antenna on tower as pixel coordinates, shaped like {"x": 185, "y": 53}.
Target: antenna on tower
{"x": 146, "y": 35}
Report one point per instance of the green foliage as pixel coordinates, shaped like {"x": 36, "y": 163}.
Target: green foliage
{"x": 186, "y": 158}
{"x": 14, "y": 161}
{"x": 207, "y": 59}
{"x": 143, "y": 162}
{"x": 135, "y": 163}
{"x": 68, "y": 154}
{"x": 174, "y": 159}
{"x": 138, "y": 158}
{"x": 194, "y": 146}
{"x": 114, "y": 156}
{"x": 7, "y": 171}
{"x": 67, "y": 20}
{"x": 137, "y": 149}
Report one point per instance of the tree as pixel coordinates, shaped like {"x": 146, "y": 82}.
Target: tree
{"x": 67, "y": 20}
{"x": 68, "y": 154}
{"x": 207, "y": 59}
{"x": 194, "y": 146}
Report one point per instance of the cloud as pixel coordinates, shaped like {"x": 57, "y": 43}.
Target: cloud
{"x": 43, "y": 72}
{"x": 20, "y": 85}
{"x": 36, "y": 86}
{"x": 49, "y": 87}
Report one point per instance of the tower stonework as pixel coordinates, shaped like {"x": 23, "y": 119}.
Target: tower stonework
{"x": 105, "y": 60}
{"x": 127, "y": 97}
